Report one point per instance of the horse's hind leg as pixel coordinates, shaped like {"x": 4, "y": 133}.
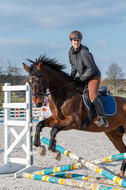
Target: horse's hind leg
{"x": 116, "y": 137}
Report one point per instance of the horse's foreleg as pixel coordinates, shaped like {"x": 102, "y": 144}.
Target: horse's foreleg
{"x": 39, "y": 127}
{"x": 52, "y": 145}
{"x": 37, "y": 143}
{"x": 53, "y": 133}
{"x": 65, "y": 124}
{"x": 49, "y": 122}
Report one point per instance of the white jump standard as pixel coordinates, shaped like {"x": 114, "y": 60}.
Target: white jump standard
{"x": 13, "y": 164}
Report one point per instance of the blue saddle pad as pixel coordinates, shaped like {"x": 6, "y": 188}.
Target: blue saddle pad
{"x": 108, "y": 102}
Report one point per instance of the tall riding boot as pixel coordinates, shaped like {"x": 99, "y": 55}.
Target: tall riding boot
{"x": 102, "y": 121}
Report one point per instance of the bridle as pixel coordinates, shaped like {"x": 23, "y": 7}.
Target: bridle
{"x": 44, "y": 85}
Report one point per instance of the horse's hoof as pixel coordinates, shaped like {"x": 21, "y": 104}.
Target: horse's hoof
{"x": 42, "y": 150}
{"x": 56, "y": 155}
{"x": 120, "y": 174}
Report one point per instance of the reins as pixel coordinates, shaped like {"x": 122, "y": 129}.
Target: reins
{"x": 45, "y": 82}
{"x": 64, "y": 86}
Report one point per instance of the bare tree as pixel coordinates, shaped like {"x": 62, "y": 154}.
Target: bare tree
{"x": 114, "y": 74}
{"x": 10, "y": 73}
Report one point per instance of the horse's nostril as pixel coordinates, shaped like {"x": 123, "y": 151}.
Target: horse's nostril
{"x": 39, "y": 104}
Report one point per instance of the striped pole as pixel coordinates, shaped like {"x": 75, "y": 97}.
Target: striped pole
{"x": 2, "y": 109}
{"x": 87, "y": 164}
{"x": 18, "y": 116}
{"x": 84, "y": 178}
{"x": 69, "y": 182}
{"x": 17, "y": 112}
{"x": 107, "y": 159}
{"x": 59, "y": 169}
{"x": 13, "y": 109}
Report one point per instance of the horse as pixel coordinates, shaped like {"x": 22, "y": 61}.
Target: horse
{"x": 67, "y": 105}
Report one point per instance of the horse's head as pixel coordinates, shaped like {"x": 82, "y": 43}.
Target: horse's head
{"x": 46, "y": 72}
{"x": 37, "y": 82}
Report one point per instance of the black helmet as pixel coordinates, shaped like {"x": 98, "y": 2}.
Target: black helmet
{"x": 75, "y": 35}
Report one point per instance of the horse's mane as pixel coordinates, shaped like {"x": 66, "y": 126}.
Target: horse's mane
{"x": 52, "y": 63}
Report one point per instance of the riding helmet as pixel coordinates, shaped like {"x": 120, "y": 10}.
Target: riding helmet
{"x": 75, "y": 35}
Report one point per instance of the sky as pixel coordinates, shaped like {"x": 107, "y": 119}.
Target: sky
{"x": 30, "y": 28}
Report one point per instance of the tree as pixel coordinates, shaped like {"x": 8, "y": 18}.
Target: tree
{"x": 9, "y": 73}
{"x": 114, "y": 74}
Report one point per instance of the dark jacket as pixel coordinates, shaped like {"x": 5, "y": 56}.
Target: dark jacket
{"x": 82, "y": 62}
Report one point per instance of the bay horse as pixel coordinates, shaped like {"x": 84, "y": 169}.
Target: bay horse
{"x": 67, "y": 105}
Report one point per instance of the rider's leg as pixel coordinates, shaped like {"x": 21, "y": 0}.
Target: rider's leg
{"x": 93, "y": 87}
{"x": 102, "y": 121}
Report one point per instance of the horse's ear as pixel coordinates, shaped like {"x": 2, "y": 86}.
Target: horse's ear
{"x": 39, "y": 66}
{"x": 26, "y": 67}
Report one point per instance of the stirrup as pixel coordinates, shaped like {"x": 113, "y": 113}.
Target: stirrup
{"x": 102, "y": 122}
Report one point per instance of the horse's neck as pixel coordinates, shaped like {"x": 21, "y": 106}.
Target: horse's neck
{"x": 56, "y": 80}
{"x": 57, "y": 89}
{"x": 58, "y": 84}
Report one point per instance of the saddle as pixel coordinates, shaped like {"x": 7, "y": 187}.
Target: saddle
{"x": 107, "y": 100}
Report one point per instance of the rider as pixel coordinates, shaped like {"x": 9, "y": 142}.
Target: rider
{"x": 83, "y": 64}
